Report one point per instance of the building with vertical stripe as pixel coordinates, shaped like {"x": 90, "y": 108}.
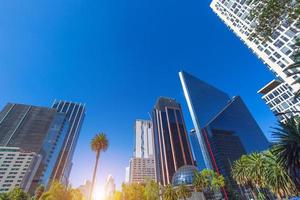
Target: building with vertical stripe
{"x": 40, "y": 131}
{"x": 75, "y": 113}
{"x": 224, "y": 127}
{"x": 172, "y": 148}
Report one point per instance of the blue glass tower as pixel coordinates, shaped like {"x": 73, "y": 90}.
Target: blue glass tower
{"x": 224, "y": 127}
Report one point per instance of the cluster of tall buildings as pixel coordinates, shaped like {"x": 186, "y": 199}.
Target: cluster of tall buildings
{"x": 37, "y": 143}
{"x": 224, "y": 130}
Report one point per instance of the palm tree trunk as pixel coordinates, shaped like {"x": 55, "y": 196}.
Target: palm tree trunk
{"x": 94, "y": 175}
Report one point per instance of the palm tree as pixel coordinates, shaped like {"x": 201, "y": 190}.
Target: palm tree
{"x": 183, "y": 192}
{"x": 170, "y": 193}
{"x": 287, "y": 147}
{"x": 199, "y": 182}
{"x": 277, "y": 178}
{"x": 99, "y": 143}
{"x": 240, "y": 172}
{"x": 151, "y": 190}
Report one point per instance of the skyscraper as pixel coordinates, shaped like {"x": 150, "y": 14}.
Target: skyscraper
{"x": 38, "y": 130}
{"x": 276, "y": 52}
{"x": 110, "y": 187}
{"x": 224, "y": 134}
{"x": 75, "y": 113}
{"x": 142, "y": 165}
{"x": 172, "y": 148}
{"x": 143, "y": 139}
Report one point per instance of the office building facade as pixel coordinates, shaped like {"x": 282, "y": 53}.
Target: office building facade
{"x": 141, "y": 170}
{"x": 75, "y": 113}
{"x": 275, "y": 52}
{"x": 172, "y": 148}
{"x": 224, "y": 134}
{"x": 143, "y": 139}
{"x": 110, "y": 187}
{"x": 34, "y": 129}
{"x": 17, "y": 168}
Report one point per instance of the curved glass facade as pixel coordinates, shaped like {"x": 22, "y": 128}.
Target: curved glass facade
{"x": 184, "y": 175}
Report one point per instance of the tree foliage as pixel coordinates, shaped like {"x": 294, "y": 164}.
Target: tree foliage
{"x": 170, "y": 193}
{"x": 151, "y": 190}
{"x": 133, "y": 191}
{"x": 183, "y": 192}
{"x": 207, "y": 180}
{"x": 268, "y": 15}
{"x": 58, "y": 191}
{"x": 261, "y": 170}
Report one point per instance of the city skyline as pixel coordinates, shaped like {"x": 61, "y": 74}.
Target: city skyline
{"x": 120, "y": 75}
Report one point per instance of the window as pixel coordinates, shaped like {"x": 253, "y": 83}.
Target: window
{"x": 278, "y": 43}
{"x": 286, "y": 51}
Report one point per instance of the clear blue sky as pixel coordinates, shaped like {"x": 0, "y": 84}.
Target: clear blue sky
{"x": 118, "y": 56}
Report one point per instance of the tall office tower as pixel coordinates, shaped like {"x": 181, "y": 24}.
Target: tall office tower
{"x": 75, "y": 113}
{"x": 127, "y": 174}
{"x": 37, "y": 130}
{"x": 196, "y": 149}
{"x": 143, "y": 139}
{"x": 224, "y": 127}
{"x": 275, "y": 52}
{"x": 172, "y": 148}
{"x": 141, "y": 170}
{"x": 142, "y": 165}
{"x": 110, "y": 187}
{"x": 85, "y": 189}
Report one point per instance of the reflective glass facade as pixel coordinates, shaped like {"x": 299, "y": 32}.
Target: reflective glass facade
{"x": 229, "y": 133}
{"x": 34, "y": 129}
{"x": 184, "y": 175}
{"x": 172, "y": 149}
{"x": 75, "y": 113}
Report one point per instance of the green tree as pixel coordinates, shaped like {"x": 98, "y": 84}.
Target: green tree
{"x": 277, "y": 178}
{"x": 183, "y": 192}
{"x": 133, "y": 191}
{"x": 57, "y": 191}
{"x": 76, "y": 194}
{"x": 117, "y": 196}
{"x": 39, "y": 192}
{"x": 151, "y": 190}
{"x": 4, "y": 196}
{"x": 287, "y": 147}
{"x": 200, "y": 183}
{"x": 169, "y": 193}
{"x": 18, "y": 194}
{"x": 99, "y": 143}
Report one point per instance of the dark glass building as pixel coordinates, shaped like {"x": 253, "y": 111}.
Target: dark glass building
{"x": 172, "y": 148}
{"x": 34, "y": 129}
{"x": 224, "y": 127}
{"x": 75, "y": 113}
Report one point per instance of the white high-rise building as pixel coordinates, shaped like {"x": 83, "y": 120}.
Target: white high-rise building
{"x": 17, "y": 168}
{"x": 110, "y": 187}
{"x": 143, "y": 139}
{"x": 276, "y": 53}
{"x": 127, "y": 174}
{"x": 141, "y": 170}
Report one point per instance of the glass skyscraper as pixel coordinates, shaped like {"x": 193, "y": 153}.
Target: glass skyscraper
{"x": 172, "y": 148}
{"x": 75, "y": 113}
{"x": 224, "y": 127}
{"x": 34, "y": 129}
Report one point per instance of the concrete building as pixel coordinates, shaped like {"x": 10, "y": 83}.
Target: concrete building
{"x": 110, "y": 187}
{"x": 127, "y": 174}
{"x": 141, "y": 170}
{"x": 17, "y": 168}
{"x": 275, "y": 52}
{"x": 85, "y": 189}
{"x": 172, "y": 147}
{"x": 38, "y": 130}
{"x": 143, "y": 139}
